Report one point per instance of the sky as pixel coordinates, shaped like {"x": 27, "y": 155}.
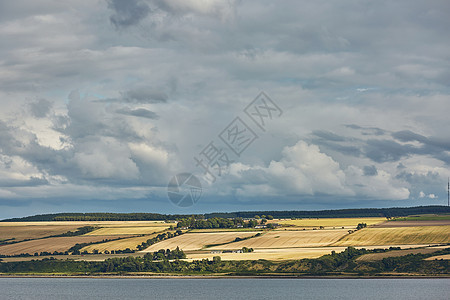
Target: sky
{"x": 103, "y": 103}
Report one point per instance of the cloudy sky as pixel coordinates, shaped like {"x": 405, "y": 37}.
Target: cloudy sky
{"x": 103, "y": 102}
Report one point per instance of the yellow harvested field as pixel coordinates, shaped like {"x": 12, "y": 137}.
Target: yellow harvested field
{"x": 131, "y": 230}
{"x": 122, "y": 244}
{"x": 395, "y": 253}
{"x": 439, "y": 257}
{"x": 330, "y": 222}
{"x": 196, "y": 241}
{"x": 22, "y": 232}
{"x": 277, "y": 254}
{"x": 59, "y": 244}
{"x": 35, "y": 230}
{"x": 269, "y": 254}
{"x": 289, "y": 239}
{"x": 397, "y": 236}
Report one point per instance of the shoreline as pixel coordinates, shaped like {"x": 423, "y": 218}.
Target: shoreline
{"x": 227, "y": 276}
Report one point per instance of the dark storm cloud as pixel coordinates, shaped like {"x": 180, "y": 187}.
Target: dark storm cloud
{"x": 429, "y": 182}
{"x": 401, "y": 166}
{"x": 90, "y": 119}
{"x": 415, "y": 179}
{"x": 409, "y": 136}
{"x": 22, "y": 183}
{"x": 346, "y": 149}
{"x": 40, "y": 108}
{"x": 433, "y": 146}
{"x": 370, "y": 170}
{"x": 127, "y": 12}
{"x": 430, "y": 142}
{"x": 140, "y": 112}
{"x": 73, "y": 163}
{"x": 327, "y": 135}
{"x": 367, "y": 130}
{"x": 335, "y": 142}
{"x": 7, "y": 139}
{"x": 384, "y": 150}
{"x": 19, "y": 142}
{"x": 144, "y": 95}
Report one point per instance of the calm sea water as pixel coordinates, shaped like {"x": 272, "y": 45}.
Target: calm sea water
{"x": 83, "y": 288}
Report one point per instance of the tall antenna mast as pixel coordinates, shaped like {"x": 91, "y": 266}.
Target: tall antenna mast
{"x": 448, "y": 192}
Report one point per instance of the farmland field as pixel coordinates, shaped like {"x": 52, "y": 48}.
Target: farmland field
{"x": 269, "y": 254}
{"x": 21, "y": 232}
{"x": 281, "y": 253}
{"x": 35, "y": 230}
{"x": 330, "y": 222}
{"x": 420, "y": 223}
{"x": 59, "y": 244}
{"x": 397, "y": 236}
{"x": 119, "y": 244}
{"x": 131, "y": 230}
{"x": 424, "y": 218}
{"x": 289, "y": 239}
{"x": 445, "y": 257}
{"x": 196, "y": 241}
{"x": 395, "y": 253}
{"x": 295, "y": 240}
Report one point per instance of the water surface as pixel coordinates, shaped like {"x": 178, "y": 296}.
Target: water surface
{"x": 245, "y": 288}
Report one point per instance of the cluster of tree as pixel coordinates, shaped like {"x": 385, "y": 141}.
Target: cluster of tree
{"x": 46, "y": 253}
{"x": 127, "y": 250}
{"x": 332, "y": 264}
{"x": 247, "y": 250}
{"x": 238, "y": 239}
{"x": 264, "y": 217}
{"x": 166, "y": 254}
{"x": 211, "y": 223}
{"x": 79, "y": 231}
{"x": 6, "y": 241}
{"x": 361, "y": 226}
{"x": 42, "y": 253}
{"x": 161, "y": 264}
{"x": 158, "y": 238}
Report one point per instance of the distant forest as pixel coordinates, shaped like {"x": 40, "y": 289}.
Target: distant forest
{"x": 336, "y": 213}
